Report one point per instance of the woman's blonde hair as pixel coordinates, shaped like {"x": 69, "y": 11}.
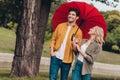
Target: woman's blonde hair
{"x": 99, "y": 34}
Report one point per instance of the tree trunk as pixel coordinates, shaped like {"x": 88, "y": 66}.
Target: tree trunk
{"x": 30, "y": 38}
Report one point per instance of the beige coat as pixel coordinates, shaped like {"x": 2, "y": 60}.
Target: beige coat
{"x": 92, "y": 51}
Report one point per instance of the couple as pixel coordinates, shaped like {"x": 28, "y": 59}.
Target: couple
{"x": 61, "y": 49}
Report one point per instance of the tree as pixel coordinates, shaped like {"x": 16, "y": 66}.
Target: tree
{"x": 112, "y": 42}
{"x": 30, "y": 38}
{"x": 113, "y": 19}
{"x": 113, "y": 38}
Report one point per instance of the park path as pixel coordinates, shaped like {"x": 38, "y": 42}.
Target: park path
{"x": 98, "y": 68}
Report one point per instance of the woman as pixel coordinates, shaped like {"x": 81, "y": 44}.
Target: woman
{"x": 88, "y": 52}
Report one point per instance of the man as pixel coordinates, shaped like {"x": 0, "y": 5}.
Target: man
{"x": 61, "y": 47}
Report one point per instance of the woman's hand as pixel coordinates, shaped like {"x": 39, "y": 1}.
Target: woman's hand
{"x": 76, "y": 40}
{"x": 74, "y": 43}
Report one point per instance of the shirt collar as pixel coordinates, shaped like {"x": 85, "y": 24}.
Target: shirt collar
{"x": 73, "y": 25}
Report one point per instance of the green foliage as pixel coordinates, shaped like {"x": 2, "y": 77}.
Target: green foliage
{"x": 12, "y": 25}
{"x": 55, "y": 4}
{"x": 49, "y": 31}
{"x": 113, "y": 29}
{"x": 49, "y": 24}
{"x": 10, "y": 10}
{"x": 48, "y": 35}
{"x": 115, "y": 47}
{"x": 112, "y": 18}
{"x": 113, "y": 37}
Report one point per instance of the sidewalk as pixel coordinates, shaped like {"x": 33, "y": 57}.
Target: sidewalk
{"x": 98, "y": 68}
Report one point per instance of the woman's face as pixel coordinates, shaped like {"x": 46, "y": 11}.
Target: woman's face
{"x": 92, "y": 31}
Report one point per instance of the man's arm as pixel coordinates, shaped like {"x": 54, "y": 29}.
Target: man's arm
{"x": 53, "y": 41}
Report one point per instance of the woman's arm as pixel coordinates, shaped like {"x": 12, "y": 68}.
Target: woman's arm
{"x": 90, "y": 57}
{"x": 80, "y": 51}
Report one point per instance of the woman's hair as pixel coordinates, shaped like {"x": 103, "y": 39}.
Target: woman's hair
{"x": 99, "y": 34}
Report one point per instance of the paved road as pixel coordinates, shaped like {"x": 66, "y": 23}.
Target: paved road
{"x": 99, "y": 68}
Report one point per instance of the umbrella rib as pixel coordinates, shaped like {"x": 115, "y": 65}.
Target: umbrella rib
{"x": 96, "y": 22}
{"x": 90, "y": 11}
{"x": 94, "y": 16}
{"x": 84, "y": 10}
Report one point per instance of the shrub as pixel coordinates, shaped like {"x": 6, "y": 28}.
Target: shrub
{"x": 116, "y": 48}
{"x": 12, "y": 25}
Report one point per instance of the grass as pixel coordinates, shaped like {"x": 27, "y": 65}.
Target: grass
{"x": 46, "y": 49}
{"x": 4, "y": 75}
{"x": 7, "y": 45}
{"x": 109, "y": 57}
{"x": 103, "y": 77}
{"x": 7, "y": 40}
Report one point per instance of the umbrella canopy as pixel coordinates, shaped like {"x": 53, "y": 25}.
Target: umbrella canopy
{"x": 89, "y": 17}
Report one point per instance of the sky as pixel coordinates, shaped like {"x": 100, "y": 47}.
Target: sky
{"x": 100, "y": 6}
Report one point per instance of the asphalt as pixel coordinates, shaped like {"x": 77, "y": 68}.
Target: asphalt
{"x": 98, "y": 68}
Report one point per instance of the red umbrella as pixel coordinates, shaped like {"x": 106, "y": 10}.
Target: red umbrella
{"x": 89, "y": 17}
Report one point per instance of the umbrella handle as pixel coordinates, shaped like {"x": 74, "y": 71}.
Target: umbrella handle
{"x": 73, "y": 35}
{"x": 76, "y": 31}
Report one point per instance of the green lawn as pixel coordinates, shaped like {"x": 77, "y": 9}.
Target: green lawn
{"x": 46, "y": 49}
{"x": 109, "y": 57}
{"x": 7, "y": 40}
{"x": 4, "y": 75}
{"x": 7, "y": 45}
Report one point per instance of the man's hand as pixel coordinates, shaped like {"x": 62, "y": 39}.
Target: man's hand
{"x": 52, "y": 53}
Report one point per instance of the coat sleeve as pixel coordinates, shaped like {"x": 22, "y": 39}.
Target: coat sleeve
{"x": 91, "y": 57}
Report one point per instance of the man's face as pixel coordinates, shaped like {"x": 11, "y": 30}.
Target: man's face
{"x": 72, "y": 17}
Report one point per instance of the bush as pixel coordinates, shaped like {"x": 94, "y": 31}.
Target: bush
{"x": 48, "y": 35}
{"x": 115, "y": 47}
{"x": 12, "y": 25}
